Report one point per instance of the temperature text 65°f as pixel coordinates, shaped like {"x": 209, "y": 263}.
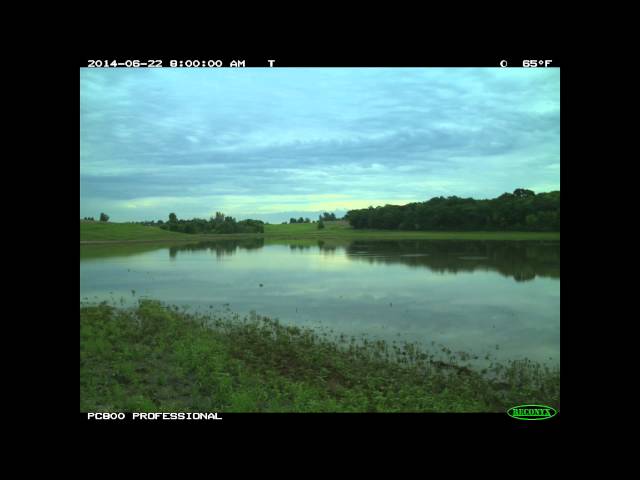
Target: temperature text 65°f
{"x": 536, "y": 63}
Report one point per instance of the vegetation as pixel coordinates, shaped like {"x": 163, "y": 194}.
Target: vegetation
{"x": 328, "y": 217}
{"x": 339, "y": 230}
{"x": 521, "y": 215}
{"x": 220, "y": 224}
{"x": 521, "y": 210}
{"x": 157, "y": 358}
{"x": 103, "y": 231}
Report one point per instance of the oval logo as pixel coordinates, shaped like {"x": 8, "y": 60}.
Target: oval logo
{"x": 532, "y": 412}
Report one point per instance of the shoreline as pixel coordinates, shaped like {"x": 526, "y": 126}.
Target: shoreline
{"x": 153, "y": 357}
{"x": 364, "y": 235}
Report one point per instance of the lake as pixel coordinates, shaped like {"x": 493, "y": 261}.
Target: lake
{"x": 495, "y": 297}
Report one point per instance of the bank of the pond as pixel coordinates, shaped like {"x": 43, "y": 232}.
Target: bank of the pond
{"x": 157, "y": 358}
{"x": 111, "y": 233}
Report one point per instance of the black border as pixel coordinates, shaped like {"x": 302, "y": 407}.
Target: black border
{"x": 324, "y": 58}
{"x": 240, "y": 424}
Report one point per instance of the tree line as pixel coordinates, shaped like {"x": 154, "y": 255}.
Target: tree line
{"x": 103, "y": 218}
{"x": 299, "y": 220}
{"x": 521, "y": 210}
{"x": 326, "y": 216}
{"x": 218, "y": 224}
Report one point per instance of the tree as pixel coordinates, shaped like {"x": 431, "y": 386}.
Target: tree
{"x": 219, "y": 218}
{"x": 522, "y": 209}
{"x": 228, "y": 226}
{"x": 320, "y": 225}
{"x": 173, "y": 218}
{"x": 522, "y": 192}
{"x": 104, "y": 217}
{"x": 326, "y": 216}
{"x": 293, "y": 220}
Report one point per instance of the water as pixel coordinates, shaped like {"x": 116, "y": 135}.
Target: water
{"x": 495, "y": 297}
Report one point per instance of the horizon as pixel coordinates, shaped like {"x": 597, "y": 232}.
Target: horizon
{"x": 271, "y": 144}
{"x": 313, "y": 216}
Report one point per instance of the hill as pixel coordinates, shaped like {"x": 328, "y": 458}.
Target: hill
{"x": 107, "y": 231}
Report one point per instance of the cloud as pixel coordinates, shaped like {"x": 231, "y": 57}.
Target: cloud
{"x": 254, "y": 140}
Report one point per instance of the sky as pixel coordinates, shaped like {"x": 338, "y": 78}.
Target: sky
{"x": 272, "y": 143}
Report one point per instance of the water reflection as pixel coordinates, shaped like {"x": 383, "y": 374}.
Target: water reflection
{"x": 468, "y": 295}
{"x": 220, "y": 248}
{"x": 522, "y": 261}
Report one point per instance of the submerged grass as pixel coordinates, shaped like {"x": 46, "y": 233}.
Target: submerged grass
{"x": 158, "y": 358}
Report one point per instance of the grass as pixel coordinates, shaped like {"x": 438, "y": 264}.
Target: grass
{"x": 157, "y": 358}
{"x": 341, "y": 230}
{"x": 107, "y": 231}
{"x": 96, "y": 232}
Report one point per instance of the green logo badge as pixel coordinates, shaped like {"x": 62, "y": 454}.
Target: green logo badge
{"x": 532, "y": 412}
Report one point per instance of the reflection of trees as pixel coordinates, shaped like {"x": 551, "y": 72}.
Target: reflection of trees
{"x": 299, "y": 247}
{"x": 327, "y": 249}
{"x": 324, "y": 248}
{"x": 221, "y": 248}
{"x": 521, "y": 260}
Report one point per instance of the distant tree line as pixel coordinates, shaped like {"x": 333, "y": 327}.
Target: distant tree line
{"x": 520, "y": 210}
{"x": 218, "y": 224}
{"x": 327, "y": 217}
{"x": 103, "y": 218}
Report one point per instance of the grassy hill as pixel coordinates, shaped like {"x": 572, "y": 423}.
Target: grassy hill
{"x": 107, "y": 231}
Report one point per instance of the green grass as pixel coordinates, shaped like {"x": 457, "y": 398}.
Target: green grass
{"x": 157, "y": 358}
{"x": 107, "y": 231}
{"x": 122, "y": 232}
{"x": 294, "y": 229}
{"x": 341, "y": 230}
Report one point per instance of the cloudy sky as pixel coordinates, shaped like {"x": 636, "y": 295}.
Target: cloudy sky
{"x": 279, "y": 142}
